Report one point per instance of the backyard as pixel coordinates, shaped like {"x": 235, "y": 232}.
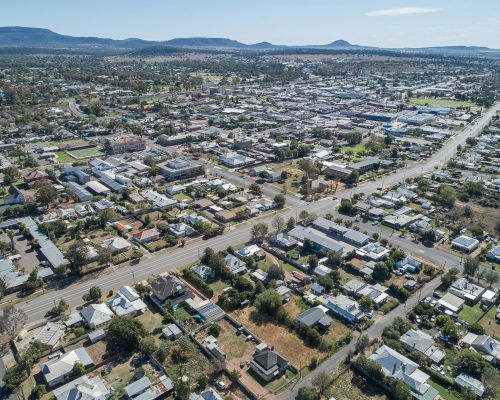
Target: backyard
{"x": 471, "y": 314}
{"x": 490, "y": 324}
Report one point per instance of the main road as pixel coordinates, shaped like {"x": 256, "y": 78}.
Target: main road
{"x": 36, "y": 308}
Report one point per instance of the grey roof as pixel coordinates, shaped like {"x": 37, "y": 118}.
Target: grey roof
{"x": 11, "y": 275}
{"x": 316, "y": 237}
{"x": 464, "y": 380}
{"x": 269, "y": 358}
{"x": 314, "y": 316}
{"x": 56, "y": 368}
{"x": 465, "y": 241}
{"x": 79, "y": 191}
{"x": 209, "y": 310}
{"x": 83, "y": 388}
{"x": 137, "y": 387}
{"x": 50, "y": 334}
{"x": 47, "y": 247}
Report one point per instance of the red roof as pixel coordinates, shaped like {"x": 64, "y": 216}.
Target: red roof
{"x": 147, "y": 234}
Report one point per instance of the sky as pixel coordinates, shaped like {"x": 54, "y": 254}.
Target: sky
{"x": 384, "y": 23}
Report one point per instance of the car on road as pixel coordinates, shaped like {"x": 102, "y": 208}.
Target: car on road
{"x": 437, "y": 295}
{"x": 427, "y": 300}
{"x": 375, "y": 223}
{"x": 433, "y": 303}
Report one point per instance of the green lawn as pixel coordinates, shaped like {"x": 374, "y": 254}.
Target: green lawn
{"x": 181, "y": 197}
{"x": 443, "y": 392}
{"x": 360, "y": 147}
{"x": 490, "y": 325}
{"x": 86, "y": 152}
{"x": 63, "y": 157}
{"x": 390, "y": 305}
{"x": 423, "y": 101}
{"x": 471, "y": 314}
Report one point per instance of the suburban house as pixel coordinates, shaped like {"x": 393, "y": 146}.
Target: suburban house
{"x": 204, "y": 272}
{"x": 344, "y": 307}
{"x": 57, "y": 370}
{"x": 97, "y": 315}
{"x": 373, "y": 251}
{"x": 170, "y": 288}
{"x": 450, "y": 303}
{"x": 127, "y": 302}
{"x": 84, "y": 388}
{"x": 416, "y": 340}
{"x": 50, "y": 334}
{"x": 377, "y": 293}
{"x": 145, "y": 236}
{"x": 397, "y": 366}
{"x": 268, "y": 364}
{"x": 236, "y": 265}
{"x": 171, "y": 332}
{"x": 315, "y": 317}
{"x": 466, "y": 381}
{"x": 467, "y": 290}
{"x": 465, "y": 244}
{"x": 320, "y": 241}
{"x": 409, "y": 264}
{"x": 483, "y": 344}
{"x": 181, "y": 230}
{"x": 251, "y": 251}
{"x": 116, "y": 245}
{"x": 284, "y": 241}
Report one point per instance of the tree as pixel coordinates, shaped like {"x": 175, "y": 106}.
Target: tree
{"x": 451, "y": 331}
{"x": 346, "y": 206}
{"x": 334, "y": 258}
{"x": 78, "y": 370}
{"x": 254, "y": 187}
{"x": 259, "y": 232}
{"x": 448, "y": 278}
{"x": 471, "y": 266}
{"x": 61, "y": 307}
{"x": 366, "y": 303}
{"x": 39, "y": 391}
{"x": 353, "y": 177}
{"x": 471, "y": 363}
{"x": 491, "y": 277}
{"x": 326, "y": 282}
{"x": 46, "y": 195}
{"x": 147, "y": 345}
{"x": 313, "y": 262}
{"x": 446, "y": 195}
{"x": 10, "y": 175}
{"x": 78, "y": 256}
{"x": 362, "y": 344}
{"x": 279, "y": 223}
{"x": 476, "y": 328}
{"x": 202, "y": 382}
{"x": 268, "y": 302}
{"x": 93, "y": 294}
{"x": 14, "y": 377}
{"x": 280, "y": 200}
{"x": 3, "y": 287}
{"x": 306, "y": 393}
{"x": 321, "y": 382}
{"x": 126, "y": 332}
{"x": 400, "y": 390}
{"x": 275, "y": 272}
{"x": 11, "y": 321}
{"x": 304, "y": 214}
{"x": 290, "y": 224}
{"x": 214, "y": 330}
{"x": 33, "y": 281}
{"x": 381, "y": 272}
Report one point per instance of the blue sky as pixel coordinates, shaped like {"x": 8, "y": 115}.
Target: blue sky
{"x": 388, "y": 23}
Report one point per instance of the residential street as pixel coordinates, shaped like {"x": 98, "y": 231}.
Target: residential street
{"x": 171, "y": 260}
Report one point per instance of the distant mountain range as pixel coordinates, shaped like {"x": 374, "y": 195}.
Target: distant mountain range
{"x": 23, "y": 37}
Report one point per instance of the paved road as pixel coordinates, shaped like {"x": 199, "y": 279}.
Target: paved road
{"x": 37, "y": 307}
{"x": 75, "y": 109}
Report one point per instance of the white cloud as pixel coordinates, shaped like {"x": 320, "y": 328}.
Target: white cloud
{"x": 394, "y": 12}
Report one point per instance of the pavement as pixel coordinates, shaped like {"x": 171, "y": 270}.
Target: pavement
{"x": 75, "y": 109}
{"x": 36, "y": 308}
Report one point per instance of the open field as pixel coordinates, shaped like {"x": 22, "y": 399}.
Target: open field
{"x": 490, "y": 325}
{"x": 285, "y": 342}
{"x": 86, "y": 152}
{"x": 423, "y": 101}
{"x": 63, "y": 157}
{"x": 351, "y": 386}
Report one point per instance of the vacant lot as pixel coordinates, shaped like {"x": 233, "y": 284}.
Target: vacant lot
{"x": 428, "y": 101}
{"x": 490, "y": 325}
{"x": 285, "y": 342}
{"x": 352, "y": 386}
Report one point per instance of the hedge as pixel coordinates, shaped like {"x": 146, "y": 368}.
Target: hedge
{"x": 198, "y": 282}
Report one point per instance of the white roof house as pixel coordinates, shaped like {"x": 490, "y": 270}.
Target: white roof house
{"x": 484, "y": 344}
{"x": 416, "y": 340}
{"x": 116, "y": 244}
{"x": 83, "y": 388}
{"x": 127, "y": 302}
{"x": 396, "y": 366}
{"x": 58, "y": 369}
{"x": 97, "y": 315}
{"x": 467, "y": 381}
{"x": 467, "y": 290}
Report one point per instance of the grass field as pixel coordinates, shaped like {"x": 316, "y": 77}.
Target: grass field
{"x": 424, "y": 101}
{"x": 86, "y": 152}
{"x": 63, "y": 157}
{"x": 471, "y": 314}
{"x": 488, "y": 322}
